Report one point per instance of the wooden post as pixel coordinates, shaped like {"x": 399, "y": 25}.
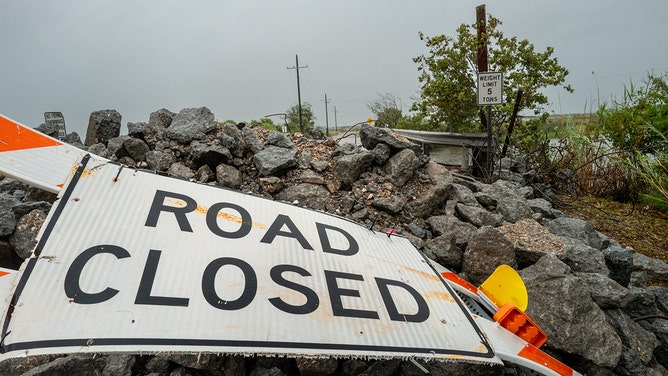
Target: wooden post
{"x": 483, "y": 66}
{"x": 506, "y": 142}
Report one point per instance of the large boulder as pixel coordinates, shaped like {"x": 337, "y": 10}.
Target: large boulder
{"x": 191, "y": 124}
{"x": 487, "y": 250}
{"x": 561, "y": 305}
{"x": 103, "y": 125}
{"x": 401, "y": 167}
{"x": 274, "y": 160}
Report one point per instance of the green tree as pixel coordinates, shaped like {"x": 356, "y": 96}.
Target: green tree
{"x": 387, "y": 110}
{"x": 308, "y": 119}
{"x": 639, "y": 120}
{"x": 448, "y": 76}
{"x": 266, "y": 123}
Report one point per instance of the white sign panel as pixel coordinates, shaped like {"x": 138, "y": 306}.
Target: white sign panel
{"x": 130, "y": 261}
{"x": 490, "y": 88}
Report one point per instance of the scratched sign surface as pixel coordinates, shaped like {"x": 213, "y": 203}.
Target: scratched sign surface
{"x": 130, "y": 261}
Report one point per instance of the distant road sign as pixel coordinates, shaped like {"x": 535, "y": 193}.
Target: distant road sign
{"x": 58, "y": 120}
{"x": 490, "y": 88}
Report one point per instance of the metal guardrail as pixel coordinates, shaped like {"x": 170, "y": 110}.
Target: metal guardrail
{"x": 477, "y": 140}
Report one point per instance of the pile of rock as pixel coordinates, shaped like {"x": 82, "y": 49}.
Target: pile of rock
{"x": 588, "y": 293}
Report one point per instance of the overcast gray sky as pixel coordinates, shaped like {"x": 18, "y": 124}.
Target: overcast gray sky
{"x": 78, "y": 56}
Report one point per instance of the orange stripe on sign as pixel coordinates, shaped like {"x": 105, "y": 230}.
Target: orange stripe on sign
{"x": 452, "y": 277}
{"x": 14, "y": 136}
{"x": 2, "y": 274}
{"x": 533, "y": 354}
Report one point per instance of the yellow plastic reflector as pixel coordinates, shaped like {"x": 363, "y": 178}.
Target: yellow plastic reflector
{"x": 505, "y": 285}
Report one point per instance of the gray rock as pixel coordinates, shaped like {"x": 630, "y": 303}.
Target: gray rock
{"x": 160, "y": 160}
{"x": 348, "y": 167}
{"x": 583, "y": 258}
{"x": 478, "y": 216}
{"x": 576, "y": 229}
{"x": 161, "y": 118}
{"x": 531, "y": 241}
{"x": 561, "y": 305}
{"x": 103, "y": 125}
{"x": 280, "y": 139}
{"x": 661, "y": 297}
{"x": 633, "y": 335}
{"x": 642, "y": 304}
{"x": 308, "y": 195}
{"x": 136, "y": 149}
{"x": 180, "y": 170}
{"x": 382, "y": 368}
{"x": 423, "y": 206}
{"x": 542, "y": 206}
{"x": 462, "y": 194}
{"x": 271, "y": 184}
{"x": 445, "y": 251}
{"x": 451, "y": 226}
{"x": 513, "y": 209}
{"x": 208, "y": 154}
{"x": 99, "y": 149}
{"x": 202, "y": 361}
{"x": 205, "y": 174}
{"x": 620, "y": 263}
{"x": 273, "y": 160}
{"x": 487, "y": 250}
{"x": 119, "y": 364}
{"x": 23, "y": 240}
{"x": 252, "y": 140}
{"x": 392, "y": 204}
{"x": 228, "y": 176}
{"x": 382, "y": 153}
{"x": 316, "y": 367}
{"x": 191, "y": 124}
{"x": 310, "y": 176}
{"x": 233, "y": 139}
{"x": 486, "y": 200}
{"x": 656, "y": 269}
{"x": 115, "y": 147}
{"x": 159, "y": 365}
{"x": 401, "y": 167}
{"x": 18, "y": 366}
{"x": 77, "y": 364}
{"x": 607, "y": 293}
{"x": 7, "y": 220}
{"x": 372, "y": 136}
{"x": 437, "y": 368}
{"x": 659, "y": 327}
{"x": 319, "y": 166}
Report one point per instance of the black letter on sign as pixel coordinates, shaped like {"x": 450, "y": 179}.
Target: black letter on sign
{"x": 275, "y": 229}
{"x": 158, "y": 206}
{"x": 73, "y": 276}
{"x": 335, "y": 293}
{"x": 353, "y": 247}
{"x": 212, "y": 214}
{"x": 209, "y": 284}
{"x": 312, "y": 301}
{"x": 422, "y": 313}
{"x": 146, "y": 285}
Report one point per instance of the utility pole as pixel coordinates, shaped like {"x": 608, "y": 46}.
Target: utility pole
{"x": 299, "y": 95}
{"x": 326, "y": 115}
{"x": 481, "y": 22}
{"x": 336, "y": 124}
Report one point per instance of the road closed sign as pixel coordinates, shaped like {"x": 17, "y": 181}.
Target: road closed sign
{"x": 490, "y": 88}
{"x": 130, "y": 261}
